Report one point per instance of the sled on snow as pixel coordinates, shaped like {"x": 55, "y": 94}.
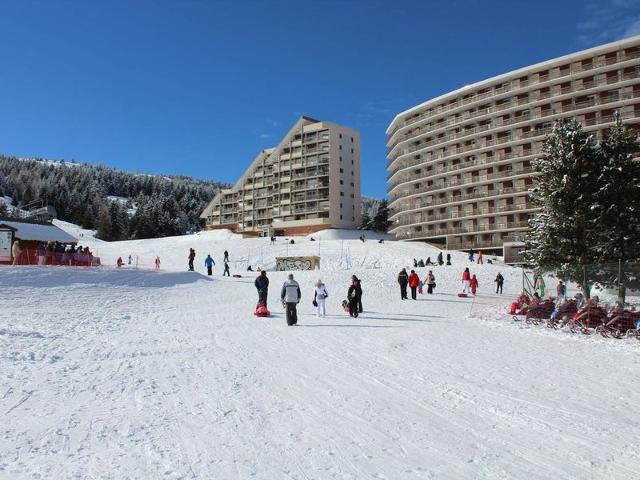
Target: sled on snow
{"x": 463, "y": 295}
{"x": 262, "y": 311}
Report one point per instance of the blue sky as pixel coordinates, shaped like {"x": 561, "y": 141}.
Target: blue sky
{"x": 200, "y": 87}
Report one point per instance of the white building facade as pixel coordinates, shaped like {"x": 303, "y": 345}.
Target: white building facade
{"x": 459, "y": 166}
{"x": 309, "y": 182}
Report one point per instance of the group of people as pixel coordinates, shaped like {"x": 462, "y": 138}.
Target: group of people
{"x": 290, "y": 296}
{"x": 209, "y": 263}
{"x": 52, "y": 253}
{"x": 412, "y": 280}
{"x": 440, "y": 261}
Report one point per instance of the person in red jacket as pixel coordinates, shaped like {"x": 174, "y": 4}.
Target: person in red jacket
{"x": 474, "y": 285}
{"x": 466, "y": 280}
{"x": 414, "y": 281}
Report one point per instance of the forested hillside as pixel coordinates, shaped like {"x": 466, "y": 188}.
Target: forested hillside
{"x": 146, "y": 205}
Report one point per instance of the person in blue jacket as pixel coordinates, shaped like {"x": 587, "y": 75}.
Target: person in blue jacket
{"x": 209, "y": 263}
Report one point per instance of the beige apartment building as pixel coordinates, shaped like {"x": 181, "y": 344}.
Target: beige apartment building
{"x": 310, "y": 181}
{"x": 459, "y": 166}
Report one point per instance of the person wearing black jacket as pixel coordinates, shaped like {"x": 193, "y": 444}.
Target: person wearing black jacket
{"x": 353, "y": 277}
{"x": 403, "y": 280}
{"x": 262, "y": 285}
{"x": 354, "y": 294}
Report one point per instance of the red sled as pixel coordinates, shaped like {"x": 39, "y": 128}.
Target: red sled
{"x": 262, "y": 311}
{"x": 463, "y": 295}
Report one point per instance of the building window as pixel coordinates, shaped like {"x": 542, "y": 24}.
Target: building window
{"x": 340, "y": 158}
{"x": 341, "y": 170}
{"x": 341, "y": 182}
{"x": 340, "y": 217}
{"x": 352, "y": 150}
{"x": 342, "y": 194}
{"x": 340, "y": 147}
{"x": 351, "y": 139}
{"x": 340, "y": 135}
{"x": 352, "y": 195}
{"x": 352, "y": 184}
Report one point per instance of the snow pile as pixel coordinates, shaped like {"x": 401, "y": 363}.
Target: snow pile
{"x": 137, "y": 373}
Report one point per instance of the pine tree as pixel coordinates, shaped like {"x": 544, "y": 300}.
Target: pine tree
{"x": 618, "y": 207}
{"x": 565, "y": 233}
{"x": 381, "y": 220}
{"x": 366, "y": 222}
{"x": 104, "y": 225}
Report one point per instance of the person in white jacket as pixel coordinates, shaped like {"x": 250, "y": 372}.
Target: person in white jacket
{"x": 320, "y": 294}
{"x": 290, "y": 296}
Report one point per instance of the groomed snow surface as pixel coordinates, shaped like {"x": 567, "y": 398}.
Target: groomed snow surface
{"x": 135, "y": 373}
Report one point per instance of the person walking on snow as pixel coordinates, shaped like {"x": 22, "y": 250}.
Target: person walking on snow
{"x": 480, "y": 257}
{"x": 414, "y": 281}
{"x": 130, "y": 259}
{"x": 120, "y": 262}
{"x": 226, "y": 269}
{"x": 499, "y": 282}
{"x": 466, "y": 280}
{"x": 471, "y": 255}
{"x": 474, "y": 285}
{"x": 353, "y": 277}
{"x": 353, "y": 296}
{"x": 192, "y": 257}
{"x": 226, "y": 256}
{"x": 403, "y": 281}
{"x": 209, "y": 263}
{"x": 157, "y": 262}
{"x": 539, "y": 285}
{"x": 320, "y": 294}
{"x": 431, "y": 282}
{"x": 290, "y": 296}
{"x": 440, "y": 261}
{"x": 262, "y": 286}
{"x": 448, "y": 259}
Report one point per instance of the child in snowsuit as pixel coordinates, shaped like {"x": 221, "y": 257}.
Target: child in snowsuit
{"x": 320, "y": 293}
{"x": 353, "y": 295}
{"x": 474, "y": 285}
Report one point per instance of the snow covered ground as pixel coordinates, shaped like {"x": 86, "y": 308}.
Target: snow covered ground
{"x": 136, "y": 373}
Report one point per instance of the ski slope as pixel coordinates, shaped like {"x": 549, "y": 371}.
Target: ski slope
{"x": 135, "y": 373}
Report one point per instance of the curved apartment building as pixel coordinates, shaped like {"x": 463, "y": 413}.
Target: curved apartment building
{"x": 459, "y": 166}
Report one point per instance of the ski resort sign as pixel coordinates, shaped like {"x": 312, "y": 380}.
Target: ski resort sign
{"x": 297, "y": 263}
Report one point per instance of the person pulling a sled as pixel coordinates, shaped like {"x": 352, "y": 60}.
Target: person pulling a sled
{"x": 353, "y": 295}
{"x": 290, "y": 296}
{"x": 262, "y": 286}
{"x": 466, "y": 281}
{"x": 320, "y": 294}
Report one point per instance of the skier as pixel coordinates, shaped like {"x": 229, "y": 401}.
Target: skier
{"x": 353, "y": 295}
{"x": 561, "y": 289}
{"x": 120, "y": 262}
{"x": 499, "y": 282}
{"x": 226, "y": 256}
{"x": 466, "y": 280}
{"x": 448, "y": 259}
{"x": 209, "y": 263}
{"x": 226, "y": 269}
{"x": 431, "y": 282}
{"x": 471, "y": 255}
{"x": 192, "y": 256}
{"x": 440, "y": 261}
{"x": 157, "y": 262}
{"x": 480, "y": 257}
{"x": 320, "y": 293}
{"x": 290, "y": 296}
{"x": 353, "y": 277}
{"x": 474, "y": 284}
{"x": 414, "y": 281}
{"x": 403, "y": 280}
{"x": 539, "y": 285}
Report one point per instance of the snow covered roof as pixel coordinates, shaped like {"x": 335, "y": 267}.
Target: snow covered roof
{"x": 39, "y": 232}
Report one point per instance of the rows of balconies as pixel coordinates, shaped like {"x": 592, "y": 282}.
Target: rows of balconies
{"x": 492, "y": 92}
{"x": 442, "y": 232}
{"x": 529, "y": 101}
{"x": 528, "y": 118}
{"x": 458, "y": 182}
{"x": 478, "y": 212}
